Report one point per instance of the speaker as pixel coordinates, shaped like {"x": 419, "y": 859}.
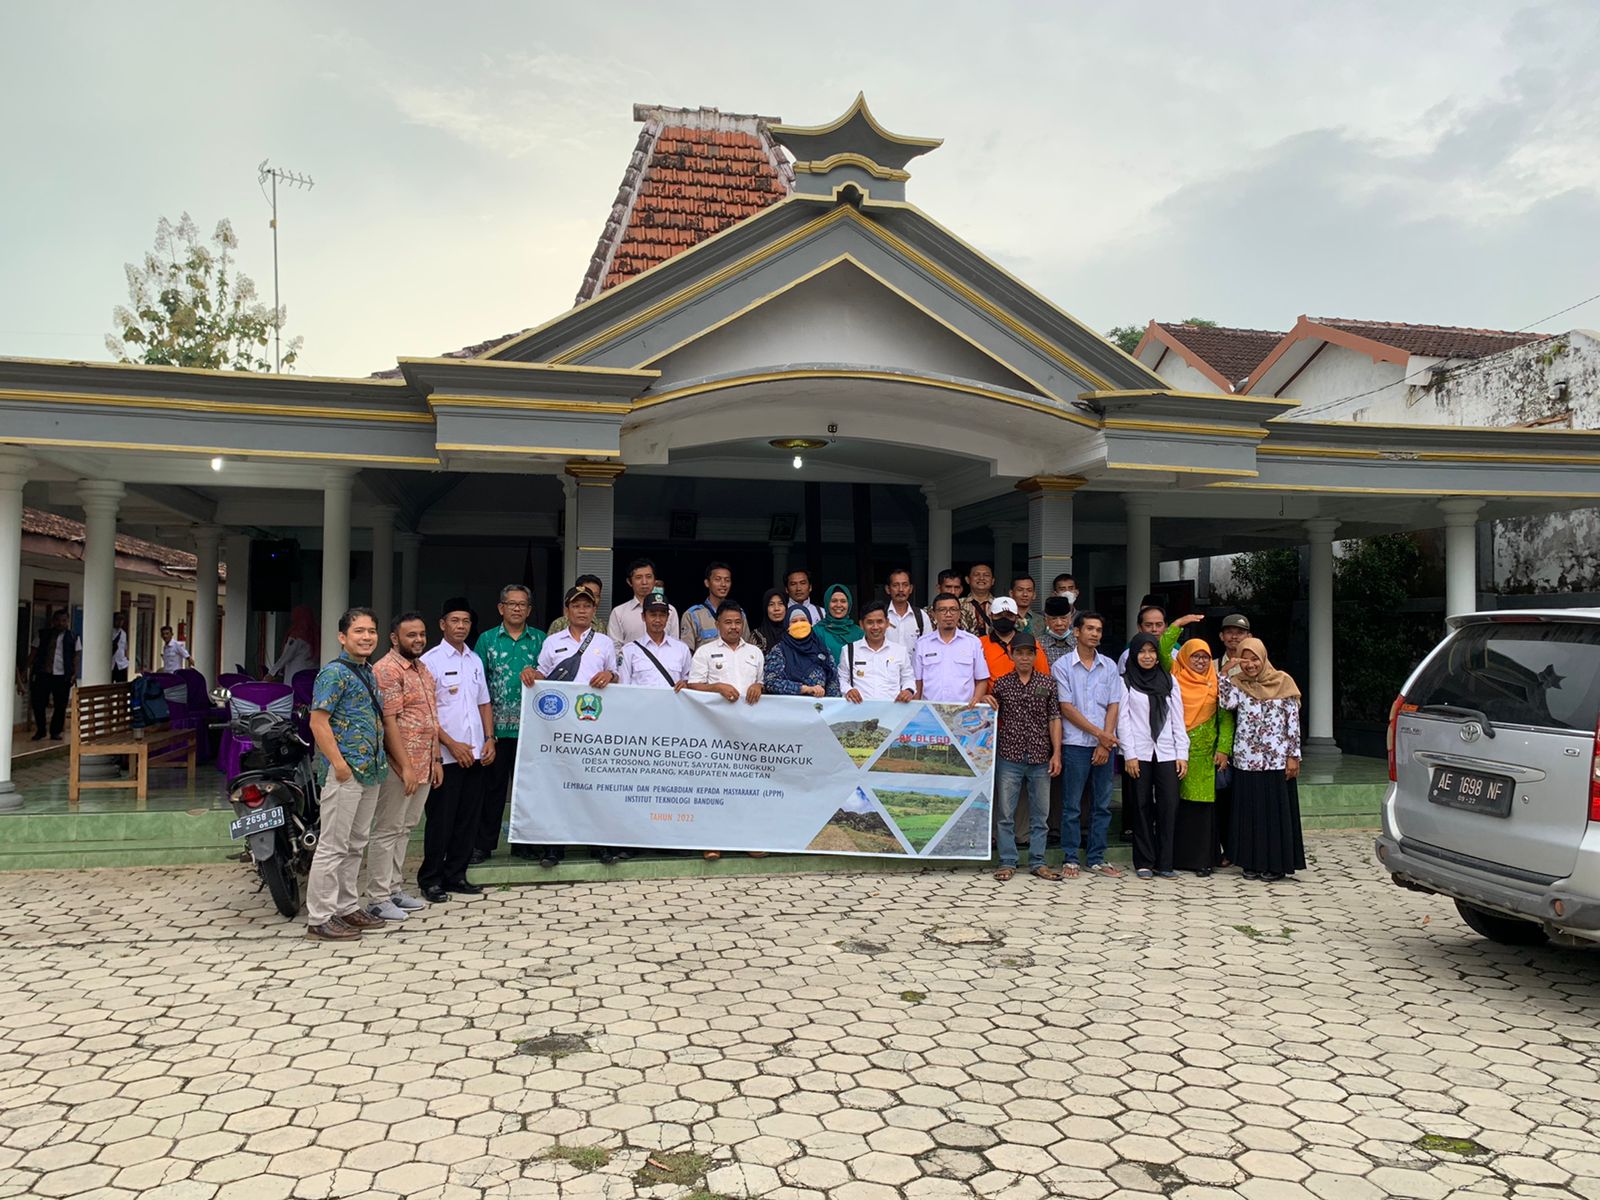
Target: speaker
{"x": 274, "y": 569}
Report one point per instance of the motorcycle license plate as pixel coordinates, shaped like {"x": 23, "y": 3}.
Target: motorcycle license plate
{"x": 257, "y": 822}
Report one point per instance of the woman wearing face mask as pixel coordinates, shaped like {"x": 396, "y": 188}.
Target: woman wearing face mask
{"x": 800, "y": 665}
{"x": 1267, "y": 842}
{"x": 1210, "y": 730}
{"x": 1155, "y": 749}
{"x": 773, "y": 607}
{"x": 839, "y": 628}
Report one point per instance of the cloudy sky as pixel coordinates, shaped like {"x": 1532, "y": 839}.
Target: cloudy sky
{"x": 1247, "y": 162}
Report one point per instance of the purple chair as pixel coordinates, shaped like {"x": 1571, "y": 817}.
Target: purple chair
{"x": 250, "y": 698}
{"x": 233, "y": 680}
{"x": 202, "y": 714}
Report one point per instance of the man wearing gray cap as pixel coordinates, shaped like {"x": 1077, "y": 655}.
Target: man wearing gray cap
{"x": 1235, "y": 628}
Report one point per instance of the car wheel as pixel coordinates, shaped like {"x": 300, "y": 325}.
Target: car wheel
{"x": 1508, "y": 931}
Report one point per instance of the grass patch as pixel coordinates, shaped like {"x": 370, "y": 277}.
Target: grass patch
{"x": 1250, "y": 931}
{"x": 585, "y": 1158}
{"x": 1288, "y": 931}
{"x": 1449, "y": 1145}
{"x": 913, "y": 997}
{"x": 682, "y": 1168}
{"x": 702, "y": 1194}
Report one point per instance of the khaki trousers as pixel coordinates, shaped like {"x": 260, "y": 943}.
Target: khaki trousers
{"x": 396, "y": 816}
{"x": 346, "y": 820}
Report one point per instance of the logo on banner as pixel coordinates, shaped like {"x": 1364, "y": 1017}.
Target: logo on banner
{"x": 587, "y": 707}
{"x": 552, "y": 706}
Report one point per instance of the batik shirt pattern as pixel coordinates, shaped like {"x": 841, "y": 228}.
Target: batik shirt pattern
{"x": 345, "y": 690}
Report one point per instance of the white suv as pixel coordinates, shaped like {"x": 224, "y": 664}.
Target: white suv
{"x": 1494, "y": 769}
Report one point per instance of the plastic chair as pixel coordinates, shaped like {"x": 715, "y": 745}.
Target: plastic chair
{"x": 250, "y": 698}
{"x": 202, "y": 714}
{"x": 233, "y": 680}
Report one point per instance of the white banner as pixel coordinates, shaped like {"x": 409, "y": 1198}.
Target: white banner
{"x": 642, "y": 767}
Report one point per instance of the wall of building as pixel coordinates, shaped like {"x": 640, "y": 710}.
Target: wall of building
{"x": 169, "y": 595}
{"x": 1337, "y": 373}
{"x": 1179, "y": 375}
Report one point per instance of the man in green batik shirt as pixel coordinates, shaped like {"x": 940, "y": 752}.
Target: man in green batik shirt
{"x": 505, "y": 650}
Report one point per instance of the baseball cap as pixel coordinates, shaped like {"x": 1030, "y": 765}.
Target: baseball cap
{"x": 1023, "y": 641}
{"x": 656, "y": 599}
{"x": 577, "y": 593}
{"x": 1002, "y": 604}
{"x": 1236, "y": 621}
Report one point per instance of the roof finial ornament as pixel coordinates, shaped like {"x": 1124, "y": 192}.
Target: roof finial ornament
{"x": 853, "y": 151}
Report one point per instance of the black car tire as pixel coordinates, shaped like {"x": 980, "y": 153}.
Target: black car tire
{"x": 1508, "y": 931}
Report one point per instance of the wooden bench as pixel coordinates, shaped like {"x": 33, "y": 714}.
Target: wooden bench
{"x": 102, "y": 723}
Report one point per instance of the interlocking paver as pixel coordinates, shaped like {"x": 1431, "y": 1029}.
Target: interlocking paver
{"x": 1116, "y": 1039}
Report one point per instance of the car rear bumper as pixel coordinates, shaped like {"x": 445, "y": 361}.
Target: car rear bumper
{"x": 1580, "y": 915}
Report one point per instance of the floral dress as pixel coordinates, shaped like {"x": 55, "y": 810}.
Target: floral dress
{"x": 778, "y": 683}
{"x": 1266, "y": 732}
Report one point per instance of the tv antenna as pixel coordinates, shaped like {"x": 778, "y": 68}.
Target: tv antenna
{"x": 291, "y": 179}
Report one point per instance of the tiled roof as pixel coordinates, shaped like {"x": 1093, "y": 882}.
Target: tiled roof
{"x": 53, "y": 525}
{"x": 1433, "y": 341}
{"x": 693, "y": 173}
{"x": 1232, "y": 353}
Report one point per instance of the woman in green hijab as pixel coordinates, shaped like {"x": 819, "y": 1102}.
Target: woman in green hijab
{"x": 838, "y": 627}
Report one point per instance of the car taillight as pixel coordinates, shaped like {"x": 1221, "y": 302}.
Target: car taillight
{"x": 1394, "y": 734}
{"x": 1594, "y": 779}
{"x": 251, "y": 796}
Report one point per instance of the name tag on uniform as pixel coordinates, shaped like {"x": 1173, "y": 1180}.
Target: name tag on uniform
{"x": 449, "y": 676}
{"x": 861, "y": 672}
{"x": 930, "y": 655}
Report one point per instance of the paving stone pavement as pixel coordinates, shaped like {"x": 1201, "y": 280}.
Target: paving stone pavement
{"x": 868, "y": 1037}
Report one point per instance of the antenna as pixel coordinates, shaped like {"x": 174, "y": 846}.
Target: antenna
{"x": 293, "y": 179}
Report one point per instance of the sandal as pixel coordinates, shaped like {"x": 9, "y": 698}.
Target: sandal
{"x": 1145, "y": 873}
{"x": 1069, "y": 870}
{"x": 1044, "y": 872}
{"x": 1005, "y": 874}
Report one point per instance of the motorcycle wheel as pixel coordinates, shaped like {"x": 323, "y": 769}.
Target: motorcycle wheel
{"x": 282, "y": 882}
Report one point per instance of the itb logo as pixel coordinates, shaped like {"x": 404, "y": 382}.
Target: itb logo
{"x": 552, "y": 706}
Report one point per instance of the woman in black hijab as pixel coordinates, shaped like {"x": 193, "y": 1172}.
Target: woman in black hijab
{"x": 767, "y": 631}
{"x": 1155, "y": 749}
{"x": 800, "y": 664}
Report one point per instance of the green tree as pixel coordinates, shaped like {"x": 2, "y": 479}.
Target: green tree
{"x": 1376, "y": 640}
{"x": 189, "y": 307}
{"x": 1126, "y": 337}
{"x": 1265, "y": 580}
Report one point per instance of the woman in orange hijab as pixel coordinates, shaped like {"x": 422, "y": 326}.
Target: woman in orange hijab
{"x": 1195, "y": 843}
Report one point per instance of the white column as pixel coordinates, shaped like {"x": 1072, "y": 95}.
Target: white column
{"x": 1460, "y": 554}
{"x": 335, "y": 557}
{"x": 100, "y": 499}
{"x": 1320, "y": 535}
{"x": 203, "y": 637}
{"x": 236, "y": 620}
{"x": 593, "y": 530}
{"x": 1049, "y": 528}
{"x": 410, "y": 547}
{"x": 940, "y": 540}
{"x": 1137, "y": 542}
{"x": 383, "y": 564}
{"x": 569, "y": 533}
{"x": 13, "y": 474}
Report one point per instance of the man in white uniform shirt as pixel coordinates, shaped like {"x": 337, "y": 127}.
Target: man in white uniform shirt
{"x": 729, "y": 666}
{"x": 907, "y": 622}
{"x": 877, "y": 667}
{"x": 119, "y": 647}
{"x": 174, "y": 654}
{"x": 798, "y": 584}
{"x": 466, "y": 740}
{"x": 626, "y": 623}
{"x": 949, "y": 661}
{"x": 656, "y": 659}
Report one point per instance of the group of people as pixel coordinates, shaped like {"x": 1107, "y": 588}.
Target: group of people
{"x": 433, "y": 732}
{"x": 55, "y": 661}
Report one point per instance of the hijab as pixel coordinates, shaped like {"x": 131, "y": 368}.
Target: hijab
{"x": 1154, "y": 681}
{"x": 769, "y": 631}
{"x": 801, "y": 655}
{"x": 1198, "y": 688}
{"x": 1271, "y": 684}
{"x": 839, "y": 632}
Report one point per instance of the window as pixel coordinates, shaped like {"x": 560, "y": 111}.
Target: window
{"x": 1545, "y": 674}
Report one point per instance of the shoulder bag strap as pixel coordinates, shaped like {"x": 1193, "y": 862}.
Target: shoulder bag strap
{"x": 377, "y": 705}
{"x": 665, "y": 674}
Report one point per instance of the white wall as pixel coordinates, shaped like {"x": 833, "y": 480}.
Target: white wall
{"x": 1180, "y": 376}
{"x": 1337, "y": 373}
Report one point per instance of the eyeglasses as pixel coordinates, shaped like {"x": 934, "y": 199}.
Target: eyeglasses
{"x": 516, "y": 604}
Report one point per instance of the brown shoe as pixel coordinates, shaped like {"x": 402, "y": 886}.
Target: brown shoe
{"x": 332, "y": 930}
{"x": 713, "y": 855}
{"x": 359, "y": 920}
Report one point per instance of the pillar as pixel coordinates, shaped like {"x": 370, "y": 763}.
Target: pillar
{"x": 1137, "y": 543}
{"x": 1005, "y": 541}
{"x": 941, "y": 536}
{"x": 410, "y": 548}
{"x": 569, "y": 534}
{"x": 100, "y": 499}
{"x": 1049, "y": 527}
{"x": 236, "y": 620}
{"x": 595, "y": 509}
{"x": 1319, "y": 534}
{"x": 383, "y": 565}
{"x": 13, "y": 474}
{"x": 203, "y": 637}
{"x": 1460, "y": 554}
{"x": 336, "y": 487}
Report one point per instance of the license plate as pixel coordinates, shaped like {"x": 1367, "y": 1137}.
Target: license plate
{"x": 257, "y": 822}
{"x": 1474, "y": 792}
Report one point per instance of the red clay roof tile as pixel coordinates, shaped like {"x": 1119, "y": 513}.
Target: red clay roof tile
{"x": 1232, "y": 353}
{"x": 1433, "y": 341}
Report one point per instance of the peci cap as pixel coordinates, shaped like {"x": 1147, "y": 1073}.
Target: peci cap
{"x": 1002, "y": 604}
{"x": 454, "y": 605}
{"x": 656, "y": 599}
{"x": 1057, "y": 606}
{"x": 1236, "y": 621}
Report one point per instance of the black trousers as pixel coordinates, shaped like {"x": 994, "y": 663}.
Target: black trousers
{"x": 453, "y": 810}
{"x": 48, "y": 689}
{"x": 496, "y": 793}
{"x": 1155, "y": 815}
{"x": 119, "y": 674}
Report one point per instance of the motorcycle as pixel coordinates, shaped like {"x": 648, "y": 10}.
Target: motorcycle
{"x": 275, "y": 798}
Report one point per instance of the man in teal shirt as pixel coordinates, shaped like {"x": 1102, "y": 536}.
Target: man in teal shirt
{"x": 505, "y": 650}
